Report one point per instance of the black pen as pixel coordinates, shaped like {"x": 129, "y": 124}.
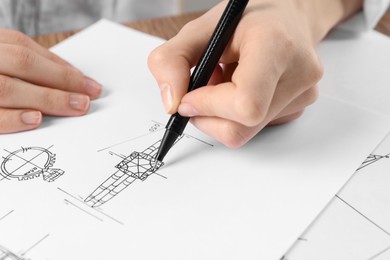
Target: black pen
{"x": 204, "y": 69}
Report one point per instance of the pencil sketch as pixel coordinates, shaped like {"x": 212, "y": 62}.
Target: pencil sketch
{"x": 30, "y": 162}
{"x": 6, "y": 254}
{"x": 6, "y": 215}
{"x": 136, "y": 166}
{"x": 340, "y": 223}
{"x": 372, "y": 158}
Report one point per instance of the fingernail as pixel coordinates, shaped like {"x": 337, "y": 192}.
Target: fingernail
{"x": 187, "y": 110}
{"x": 92, "y": 88}
{"x": 31, "y": 117}
{"x": 79, "y": 102}
{"x": 166, "y": 94}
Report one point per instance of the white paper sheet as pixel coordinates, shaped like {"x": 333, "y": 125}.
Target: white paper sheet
{"x": 356, "y": 224}
{"x": 206, "y": 202}
{"x": 357, "y": 68}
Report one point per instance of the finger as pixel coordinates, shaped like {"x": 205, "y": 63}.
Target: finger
{"x": 286, "y": 119}
{"x": 18, "y": 94}
{"x": 15, "y": 120}
{"x": 170, "y": 63}
{"x": 172, "y": 76}
{"x": 217, "y": 76}
{"x": 25, "y": 64}
{"x": 233, "y": 134}
{"x": 229, "y": 133}
{"x": 246, "y": 99}
{"x": 20, "y": 39}
{"x": 295, "y": 108}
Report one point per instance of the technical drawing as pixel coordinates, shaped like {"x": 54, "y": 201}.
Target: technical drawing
{"x": 6, "y": 215}
{"x": 30, "y": 162}
{"x": 367, "y": 212}
{"x": 136, "y": 166}
{"x": 372, "y": 158}
{"x": 6, "y": 254}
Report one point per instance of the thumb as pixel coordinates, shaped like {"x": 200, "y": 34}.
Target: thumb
{"x": 171, "y": 62}
{"x": 172, "y": 73}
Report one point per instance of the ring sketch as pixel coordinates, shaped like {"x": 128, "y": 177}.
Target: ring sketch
{"x": 30, "y": 162}
{"x": 136, "y": 166}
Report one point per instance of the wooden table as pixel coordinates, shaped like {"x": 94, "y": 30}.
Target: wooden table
{"x": 167, "y": 27}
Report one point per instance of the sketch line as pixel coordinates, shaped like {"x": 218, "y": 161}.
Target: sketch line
{"x": 158, "y": 123}
{"x": 14, "y": 165}
{"x": 6, "y": 215}
{"x": 6, "y": 254}
{"x": 352, "y": 207}
{"x": 96, "y": 209}
{"x": 162, "y": 176}
{"x": 372, "y": 158}
{"x": 200, "y": 140}
{"x": 23, "y": 159}
{"x": 108, "y": 216}
{"x": 118, "y": 155}
{"x": 83, "y": 210}
{"x": 35, "y": 244}
{"x": 67, "y": 193}
{"x": 136, "y": 166}
{"x": 27, "y": 161}
{"x": 123, "y": 142}
{"x": 3, "y": 178}
{"x": 380, "y": 253}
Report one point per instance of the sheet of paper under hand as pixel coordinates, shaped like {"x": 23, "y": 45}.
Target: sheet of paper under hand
{"x": 84, "y": 188}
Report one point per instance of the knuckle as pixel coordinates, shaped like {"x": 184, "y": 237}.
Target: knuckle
{"x": 190, "y": 27}
{"x": 8, "y": 122}
{"x": 70, "y": 78}
{"x": 311, "y": 95}
{"x": 24, "y": 59}
{"x": 317, "y": 70}
{"x": 280, "y": 35}
{"x": 250, "y": 110}
{"x": 4, "y": 120}
{"x": 19, "y": 38}
{"x": 48, "y": 101}
{"x": 16, "y": 37}
{"x": 312, "y": 71}
{"x": 234, "y": 136}
{"x": 156, "y": 57}
{"x": 5, "y": 87}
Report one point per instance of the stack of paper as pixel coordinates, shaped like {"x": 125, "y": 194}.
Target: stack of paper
{"x": 83, "y": 188}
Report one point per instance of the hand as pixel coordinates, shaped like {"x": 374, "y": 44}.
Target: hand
{"x": 267, "y": 74}
{"x": 36, "y": 82}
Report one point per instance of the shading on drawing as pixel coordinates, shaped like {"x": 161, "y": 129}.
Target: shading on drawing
{"x": 136, "y": 166}
{"x": 30, "y": 162}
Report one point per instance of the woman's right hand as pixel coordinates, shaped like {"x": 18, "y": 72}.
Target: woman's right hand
{"x": 36, "y": 82}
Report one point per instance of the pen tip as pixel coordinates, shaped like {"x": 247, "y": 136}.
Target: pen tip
{"x": 167, "y": 142}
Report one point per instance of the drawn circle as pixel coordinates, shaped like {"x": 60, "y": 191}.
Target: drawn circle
{"x": 27, "y": 163}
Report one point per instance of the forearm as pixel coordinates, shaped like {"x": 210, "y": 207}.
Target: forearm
{"x": 323, "y": 15}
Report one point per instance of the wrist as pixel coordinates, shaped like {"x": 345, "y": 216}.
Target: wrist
{"x": 323, "y": 15}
